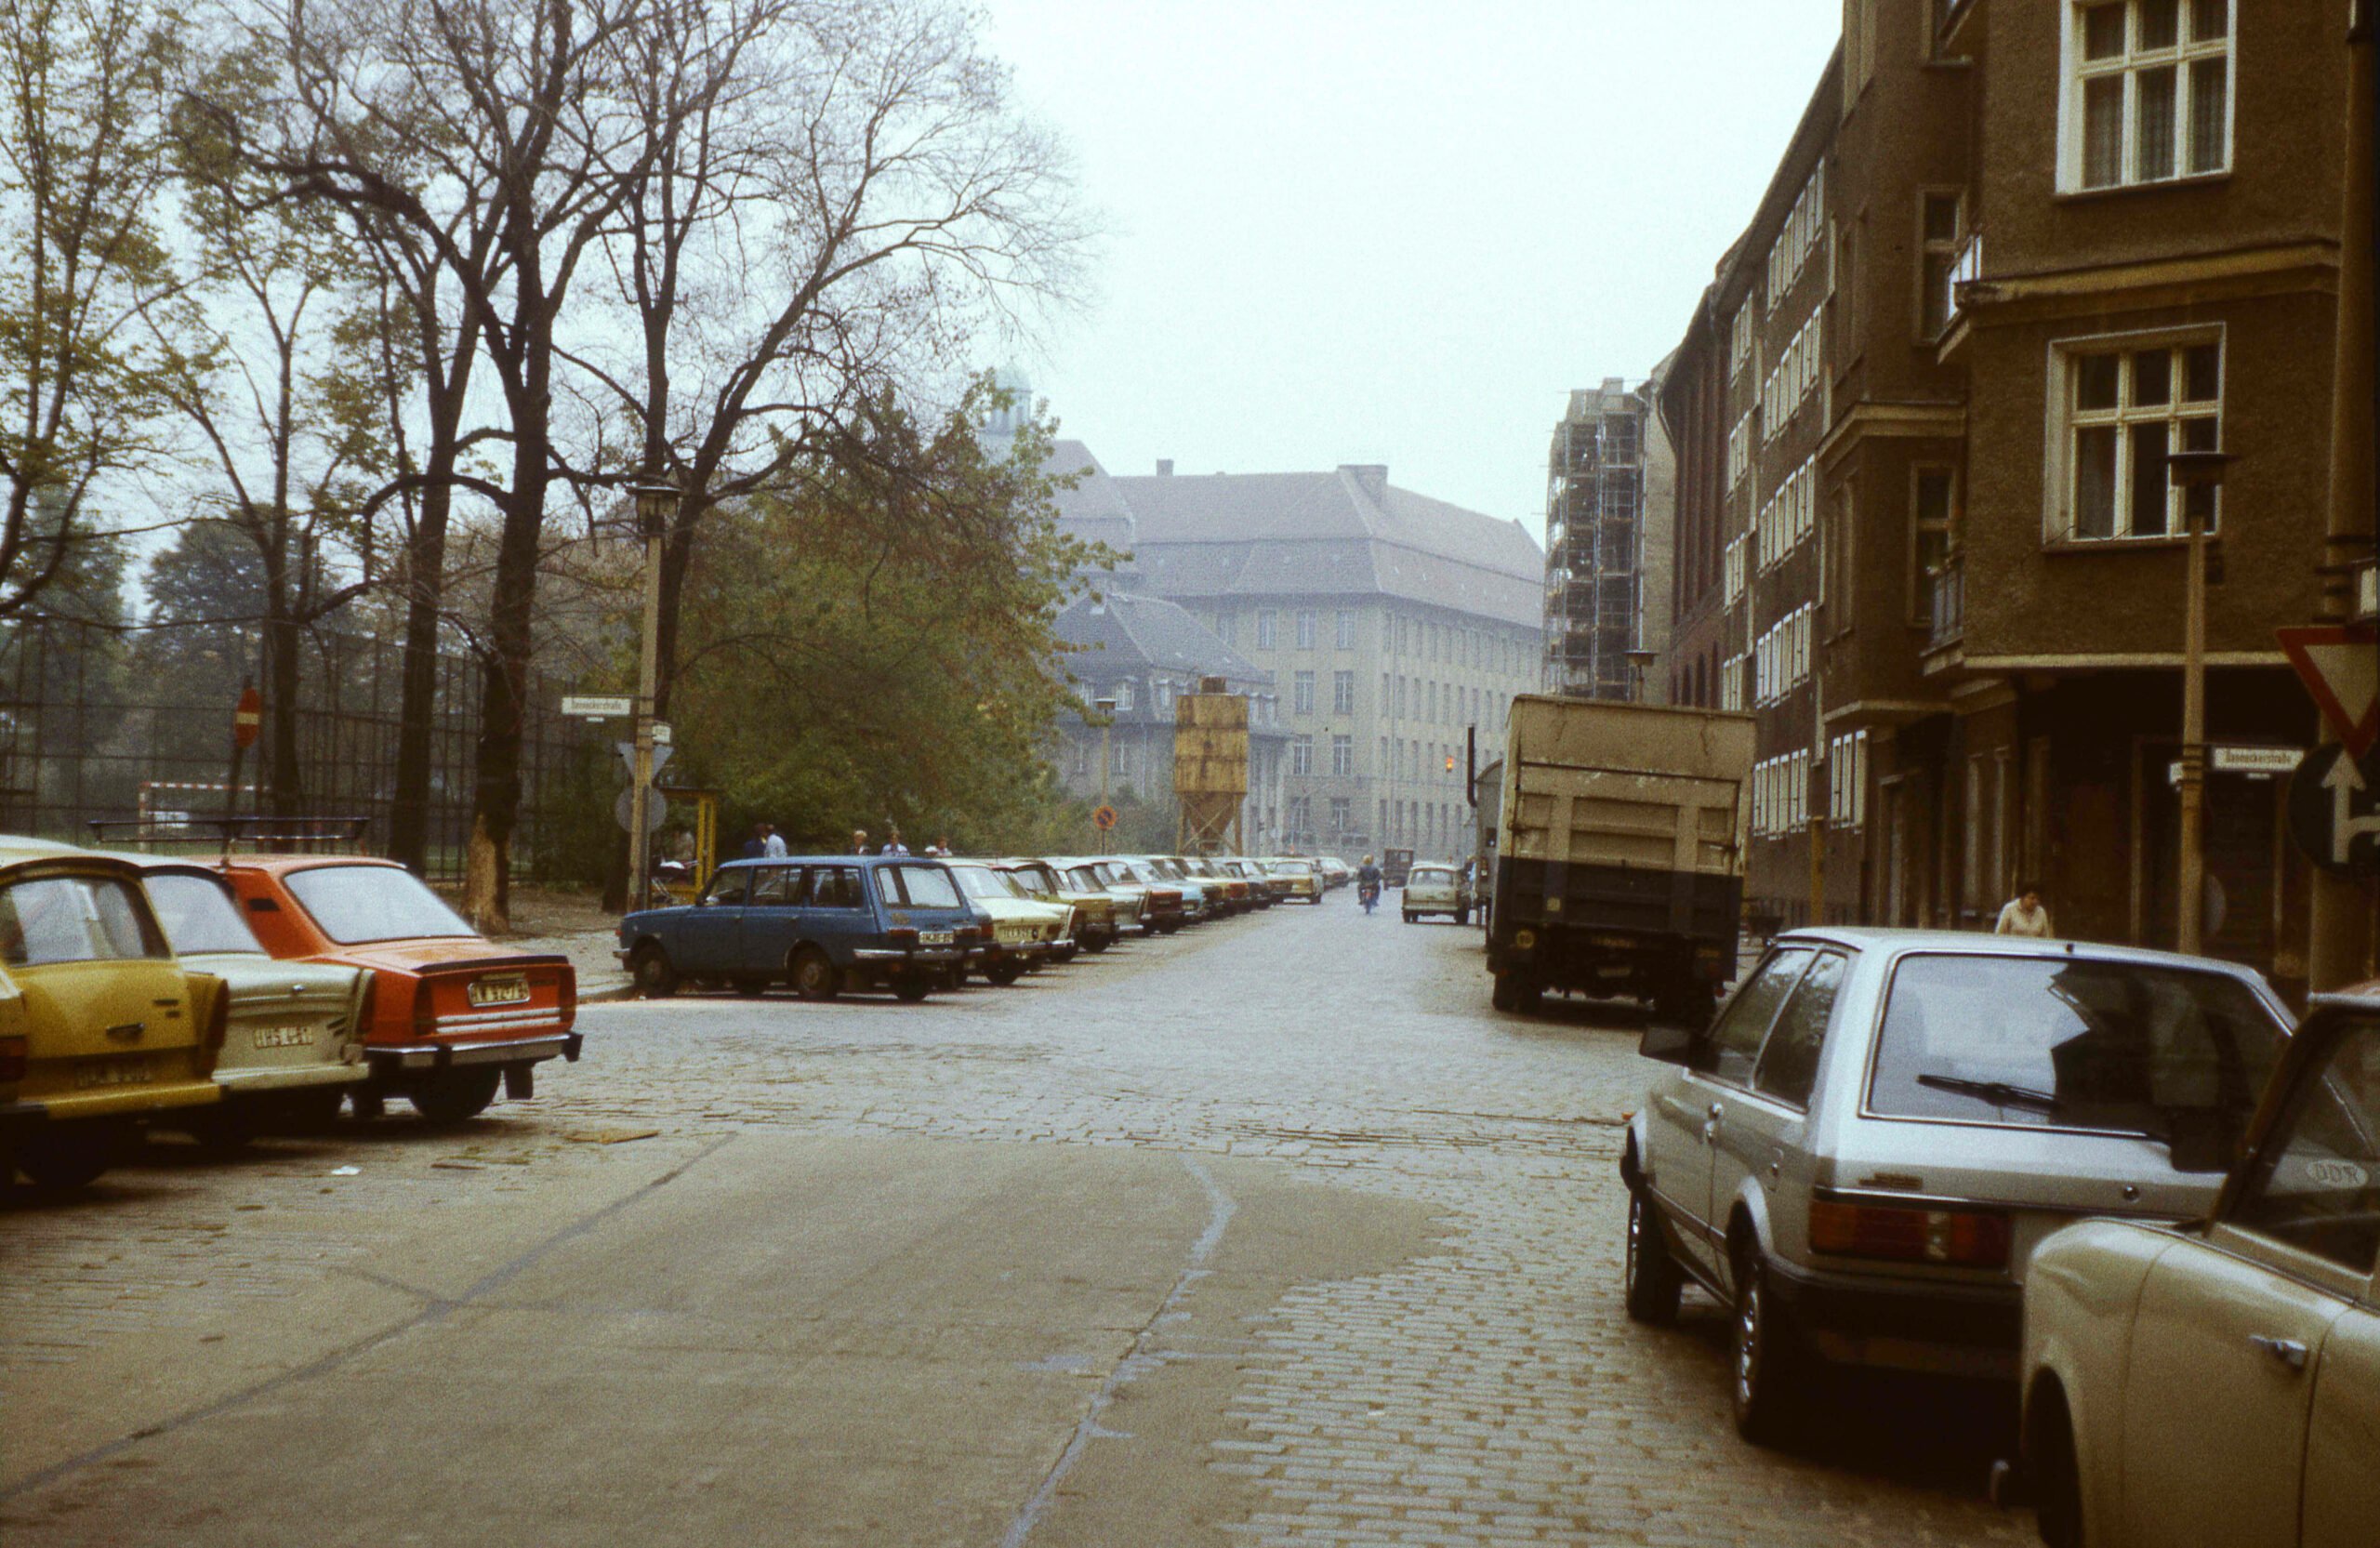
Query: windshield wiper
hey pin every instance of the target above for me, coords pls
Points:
(2001, 1092)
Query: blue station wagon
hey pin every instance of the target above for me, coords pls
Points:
(824, 923)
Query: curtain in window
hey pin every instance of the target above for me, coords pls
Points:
(2103, 132)
(2153, 98)
(2210, 96)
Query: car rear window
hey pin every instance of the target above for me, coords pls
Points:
(2061, 1042)
(76, 918)
(199, 915)
(919, 886)
(355, 903)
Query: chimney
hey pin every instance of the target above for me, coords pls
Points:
(1165, 467)
(1371, 477)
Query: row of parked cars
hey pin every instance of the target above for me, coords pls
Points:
(910, 925)
(2125, 1180)
(223, 998)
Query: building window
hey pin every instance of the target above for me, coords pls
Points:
(1400, 697)
(1941, 226)
(1835, 576)
(1306, 628)
(1791, 251)
(2126, 410)
(2149, 91)
(1847, 780)
(1346, 629)
(1301, 817)
(1342, 757)
(1227, 628)
(1343, 692)
(1342, 814)
(1933, 519)
(1739, 341)
(1267, 626)
(1302, 755)
(1123, 695)
(1739, 450)
(1302, 691)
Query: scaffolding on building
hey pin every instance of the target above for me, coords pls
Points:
(1595, 543)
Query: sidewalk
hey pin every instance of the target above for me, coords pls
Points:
(599, 973)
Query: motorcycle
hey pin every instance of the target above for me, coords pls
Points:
(1368, 894)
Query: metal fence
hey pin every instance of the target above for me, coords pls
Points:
(92, 727)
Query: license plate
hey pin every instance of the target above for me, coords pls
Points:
(112, 1072)
(937, 938)
(282, 1036)
(499, 991)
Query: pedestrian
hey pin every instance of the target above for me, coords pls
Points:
(756, 846)
(893, 844)
(772, 842)
(859, 842)
(2025, 914)
(940, 848)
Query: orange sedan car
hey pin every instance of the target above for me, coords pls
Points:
(453, 1016)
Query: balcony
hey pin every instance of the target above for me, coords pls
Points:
(1945, 595)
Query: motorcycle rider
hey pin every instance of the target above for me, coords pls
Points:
(1367, 884)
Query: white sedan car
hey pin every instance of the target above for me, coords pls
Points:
(2218, 1382)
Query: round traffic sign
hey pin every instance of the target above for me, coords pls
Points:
(1103, 819)
(247, 718)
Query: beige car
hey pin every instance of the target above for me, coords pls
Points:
(2218, 1382)
(1434, 889)
(1305, 883)
(1025, 933)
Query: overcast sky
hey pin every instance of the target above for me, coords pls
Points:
(1394, 230)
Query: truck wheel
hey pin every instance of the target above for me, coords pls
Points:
(648, 966)
(816, 975)
(457, 1096)
(1652, 1279)
(1506, 994)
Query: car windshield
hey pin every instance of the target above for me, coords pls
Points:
(199, 915)
(76, 918)
(919, 886)
(1430, 873)
(1031, 879)
(355, 903)
(978, 881)
(2059, 1042)
(1086, 879)
(1293, 868)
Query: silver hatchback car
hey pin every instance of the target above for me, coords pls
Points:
(1864, 1149)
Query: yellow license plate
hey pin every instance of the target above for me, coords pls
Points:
(500, 991)
(112, 1072)
(282, 1036)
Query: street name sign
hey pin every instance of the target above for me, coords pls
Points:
(599, 706)
(2333, 816)
(2340, 666)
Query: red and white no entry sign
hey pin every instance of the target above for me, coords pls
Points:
(247, 718)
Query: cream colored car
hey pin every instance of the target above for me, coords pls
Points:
(1434, 889)
(1025, 933)
(2218, 1382)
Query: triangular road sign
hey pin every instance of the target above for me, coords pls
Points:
(2340, 665)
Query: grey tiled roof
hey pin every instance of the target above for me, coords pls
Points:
(1121, 634)
(1302, 533)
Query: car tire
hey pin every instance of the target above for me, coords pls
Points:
(911, 989)
(1767, 1371)
(1409, 919)
(1097, 944)
(814, 974)
(67, 1155)
(223, 1129)
(1650, 1275)
(1004, 974)
(2056, 1474)
(1462, 916)
(649, 967)
(313, 1112)
(457, 1096)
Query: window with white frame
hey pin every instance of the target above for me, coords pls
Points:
(1734, 569)
(1342, 814)
(1302, 755)
(1803, 226)
(1789, 515)
(1932, 527)
(1268, 625)
(1846, 779)
(1739, 341)
(1343, 692)
(1307, 629)
(1731, 684)
(1781, 656)
(1941, 220)
(2148, 92)
(1796, 374)
(2127, 409)
(1123, 694)
(1343, 755)
(1739, 450)
(1302, 691)
(1346, 634)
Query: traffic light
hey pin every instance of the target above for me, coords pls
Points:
(1449, 762)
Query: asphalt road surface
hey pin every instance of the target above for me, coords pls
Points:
(1271, 1232)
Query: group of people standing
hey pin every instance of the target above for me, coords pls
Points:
(767, 843)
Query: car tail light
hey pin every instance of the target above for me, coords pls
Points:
(904, 938)
(966, 935)
(14, 1059)
(219, 1017)
(1967, 1238)
(367, 1002)
(566, 990)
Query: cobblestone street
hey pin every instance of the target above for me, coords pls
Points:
(1369, 1293)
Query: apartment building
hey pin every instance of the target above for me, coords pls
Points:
(1610, 499)
(2028, 248)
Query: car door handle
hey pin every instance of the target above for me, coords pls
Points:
(2289, 1352)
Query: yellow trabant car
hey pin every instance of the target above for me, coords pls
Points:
(1025, 933)
(100, 1026)
(1303, 876)
(1094, 929)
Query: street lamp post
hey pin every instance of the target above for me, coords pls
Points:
(1106, 708)
(655, 501)
(1640, 659)
(2193, 471)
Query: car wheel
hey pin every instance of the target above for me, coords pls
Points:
(1767, 1359)
(816, 975)
(308, 1112)
(1097, 944)
(457, 1096)
(68, 1156)
(1462, 916)
(1652, 1279)
(911, 989)
(2057, 1478)
(1005, 972)
(1409, 919)
(655, 979)
(223, 1129)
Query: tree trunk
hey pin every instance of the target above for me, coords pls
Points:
(425, 591)
(282, 692)
(504, 697)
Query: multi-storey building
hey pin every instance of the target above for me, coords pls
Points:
(1391, 624)
(1609, 502)
(2016, 253)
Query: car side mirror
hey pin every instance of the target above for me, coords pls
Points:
(2202, 1139)
(1671, 1045)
